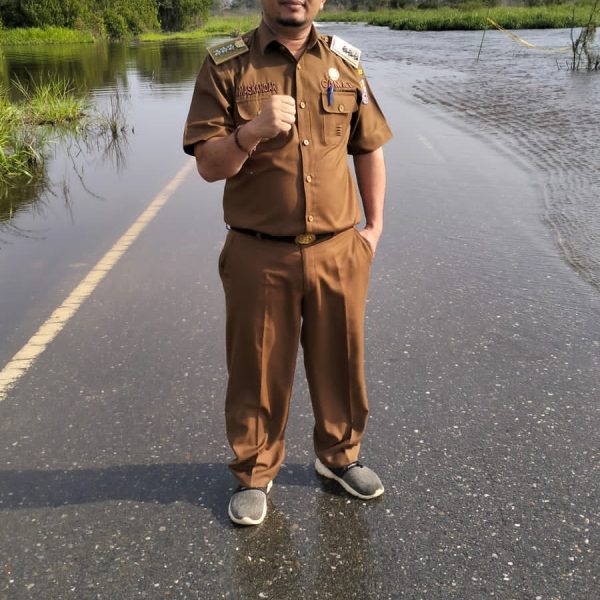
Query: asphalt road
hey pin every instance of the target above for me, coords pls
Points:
(483, 361)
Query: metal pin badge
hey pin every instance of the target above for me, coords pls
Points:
(333, 74)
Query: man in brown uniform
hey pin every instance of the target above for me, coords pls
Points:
(276, 113)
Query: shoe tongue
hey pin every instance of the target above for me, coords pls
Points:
(351, 466)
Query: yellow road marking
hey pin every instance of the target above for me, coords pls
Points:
(25, 357)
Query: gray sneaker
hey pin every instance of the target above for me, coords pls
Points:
(248, 505)
(355, 478)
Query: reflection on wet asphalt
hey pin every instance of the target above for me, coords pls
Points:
(482, 358)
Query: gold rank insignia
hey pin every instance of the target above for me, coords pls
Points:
(347, 51)
(222, 52)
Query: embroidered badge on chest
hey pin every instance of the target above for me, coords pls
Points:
(254, 88)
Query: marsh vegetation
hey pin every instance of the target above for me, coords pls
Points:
(51, 21)
(469, 16)
(25, 122)
(34, 115)
(115, 19)
(586, 53)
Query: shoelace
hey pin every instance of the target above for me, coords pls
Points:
(345, 469)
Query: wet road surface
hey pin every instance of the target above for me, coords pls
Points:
(483, 362)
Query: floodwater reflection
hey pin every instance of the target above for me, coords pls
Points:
(111, 73)
(104, 139)
(101, 66)
(326, 556)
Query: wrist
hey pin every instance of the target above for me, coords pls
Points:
(246, 139)
(374, 228)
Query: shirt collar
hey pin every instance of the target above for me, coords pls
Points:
(266, 37)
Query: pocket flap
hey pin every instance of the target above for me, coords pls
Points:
(343, 102)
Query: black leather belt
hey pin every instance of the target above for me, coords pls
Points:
(303, 239)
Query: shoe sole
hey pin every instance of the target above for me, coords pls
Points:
(248, 520)
(325, 472)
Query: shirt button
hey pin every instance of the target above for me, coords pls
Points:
(341, 107)
(308, 178)
(302, 104)
(299, 67)
(305, 142)
(310, 218)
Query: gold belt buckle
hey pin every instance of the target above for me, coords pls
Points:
(305, 238)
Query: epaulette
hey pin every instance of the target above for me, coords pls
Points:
(226, 50)
(347, 51)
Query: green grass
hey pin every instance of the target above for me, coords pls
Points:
(443, 19)
(216, 26)
(45, 35)
(436, 19)
(37, 112)
(18, 153)
(50, 103)
(24, 124)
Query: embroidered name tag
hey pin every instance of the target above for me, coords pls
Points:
(252, 89)
(338, 85)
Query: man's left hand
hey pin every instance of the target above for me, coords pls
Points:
(372, 236)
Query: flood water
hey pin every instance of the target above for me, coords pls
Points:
(528, 101)
(150, 81)
(524, 98)
(481, 352)
(53, 231)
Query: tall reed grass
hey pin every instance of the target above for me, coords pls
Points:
(24, 124)
(36, 112)
(444, 19)
(52, 102)
(18, 147)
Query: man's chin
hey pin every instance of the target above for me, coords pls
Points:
(291, 22)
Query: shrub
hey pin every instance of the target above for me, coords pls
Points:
(177, 15)
(11, 14)
(116, 18)
(60, 13)
(115, 24)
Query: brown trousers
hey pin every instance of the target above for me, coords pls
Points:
(278, 294)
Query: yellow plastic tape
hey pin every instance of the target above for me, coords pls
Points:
(525, 43)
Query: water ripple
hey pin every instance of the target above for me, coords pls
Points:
(529, 100)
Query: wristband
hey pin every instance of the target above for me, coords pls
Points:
(236, 138)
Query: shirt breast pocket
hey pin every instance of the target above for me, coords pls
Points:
(336, 118)
(247, 109)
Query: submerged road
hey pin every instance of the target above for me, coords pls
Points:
(483, 361)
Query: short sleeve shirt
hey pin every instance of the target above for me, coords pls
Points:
(298, 181)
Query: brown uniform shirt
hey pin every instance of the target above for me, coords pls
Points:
(298, 181)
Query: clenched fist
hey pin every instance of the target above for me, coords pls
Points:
(277, 115)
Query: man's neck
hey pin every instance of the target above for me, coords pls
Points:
(293, 38)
